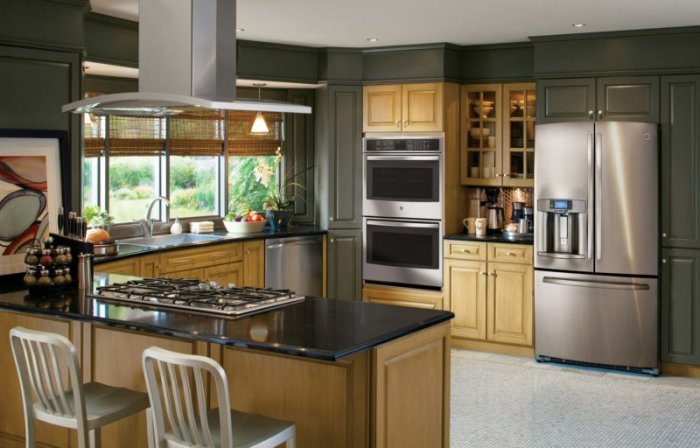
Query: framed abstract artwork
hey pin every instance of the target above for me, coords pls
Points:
(34, 166)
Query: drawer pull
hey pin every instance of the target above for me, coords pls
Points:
(492, 274)
(467, 251)
(511, 254)
(483, 273)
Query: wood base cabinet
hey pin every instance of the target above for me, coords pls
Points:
(680, 306)
(489, 288)
(394, 295)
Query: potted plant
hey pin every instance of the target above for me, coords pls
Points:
(280, 206)
(97, 218)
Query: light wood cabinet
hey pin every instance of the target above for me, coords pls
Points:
(498, 134)
(491, 293)
(254, 263)
(142, 266)
(509, 303)
(241, 264)
(394, 295)
(403, 108)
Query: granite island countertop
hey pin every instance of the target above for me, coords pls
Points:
(325, 329)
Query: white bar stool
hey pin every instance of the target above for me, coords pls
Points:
(40, 357)
(169, 378)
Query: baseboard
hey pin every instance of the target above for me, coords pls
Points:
(671, 368)
(493, 347)
(13, 441)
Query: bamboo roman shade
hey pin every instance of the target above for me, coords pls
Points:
(242, 143)
(200, 133)
(196, 134)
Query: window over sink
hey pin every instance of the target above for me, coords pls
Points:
(205, 163)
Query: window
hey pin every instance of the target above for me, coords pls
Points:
(198, 160)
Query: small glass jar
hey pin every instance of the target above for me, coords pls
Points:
(44, 280)
(46, 259)
(67, 276)
(58, 278)
(69, 257)
(30, 277)
(32, 256)
(48, 243)
(60, 258)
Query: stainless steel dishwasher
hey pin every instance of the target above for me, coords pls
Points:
(295, 263)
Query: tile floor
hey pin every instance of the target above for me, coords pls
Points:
(508, 401)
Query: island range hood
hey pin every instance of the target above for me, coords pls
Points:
(187, 62)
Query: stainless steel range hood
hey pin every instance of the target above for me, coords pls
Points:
(187, 61)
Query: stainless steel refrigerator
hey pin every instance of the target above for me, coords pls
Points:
(596, 244)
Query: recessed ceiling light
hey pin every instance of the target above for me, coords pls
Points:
(372, 39)
(578, 25)
(240, 30)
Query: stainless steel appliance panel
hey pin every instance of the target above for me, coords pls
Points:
(598, 319)
(295, 263)
(626, 217)
(402, 251)
(564, 169)
(402, 185)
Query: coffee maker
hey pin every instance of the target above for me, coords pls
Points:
(494, 213)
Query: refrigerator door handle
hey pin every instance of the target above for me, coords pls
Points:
(591, 192)
(598, 196)
(592, 284)
(564, 256)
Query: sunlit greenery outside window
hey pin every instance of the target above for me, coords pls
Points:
(130, 160)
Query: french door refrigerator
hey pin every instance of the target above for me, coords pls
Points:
(596, 244)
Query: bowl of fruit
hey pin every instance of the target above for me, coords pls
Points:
(244, 223)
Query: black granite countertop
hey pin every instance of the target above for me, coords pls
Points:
(326, 329)
(127, 250)
(492, 238)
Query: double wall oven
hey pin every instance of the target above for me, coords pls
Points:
(403, 208)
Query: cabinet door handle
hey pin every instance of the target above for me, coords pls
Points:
(506, 175)
(398, 123)
(492, 274)
(600, 114)
(331, 219)
(405, 123)
(663, 260)
(332, 240)
(590, 114)
(247, 252)
(483, 273)
(664, 235)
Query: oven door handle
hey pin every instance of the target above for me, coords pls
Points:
(403, 224)
(408, 158)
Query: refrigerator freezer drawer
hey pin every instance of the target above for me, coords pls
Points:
(598, 319)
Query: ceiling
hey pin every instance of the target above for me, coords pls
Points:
(342, 23)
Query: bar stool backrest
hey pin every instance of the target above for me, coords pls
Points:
(39, 358)
(174, 382)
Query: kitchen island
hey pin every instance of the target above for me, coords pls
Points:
(349, 374)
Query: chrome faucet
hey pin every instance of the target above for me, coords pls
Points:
(148, 222)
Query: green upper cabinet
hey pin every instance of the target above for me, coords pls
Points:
(680, 161)
(565, 100)
(609, 99)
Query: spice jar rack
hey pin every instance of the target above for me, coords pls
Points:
(48, 268)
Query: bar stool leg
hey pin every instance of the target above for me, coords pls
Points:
(95, 438)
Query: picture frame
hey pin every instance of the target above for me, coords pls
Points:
(34, 184)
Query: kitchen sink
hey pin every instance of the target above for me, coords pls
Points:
(171, 240)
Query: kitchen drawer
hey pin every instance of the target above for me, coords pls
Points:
(465, 250)
(200, 257)
(510, 253)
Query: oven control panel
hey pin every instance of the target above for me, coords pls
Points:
(403, 144)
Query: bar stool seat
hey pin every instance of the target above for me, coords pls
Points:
(179, 416)
(40, 358)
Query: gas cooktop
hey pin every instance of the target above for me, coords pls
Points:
(193, 295)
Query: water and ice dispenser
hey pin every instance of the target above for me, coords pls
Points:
(564, 227)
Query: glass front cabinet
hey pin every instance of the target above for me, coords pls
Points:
(498, 134)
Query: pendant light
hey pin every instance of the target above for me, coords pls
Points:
(259, 124)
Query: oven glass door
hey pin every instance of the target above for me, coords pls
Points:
(403, 252)
(406, 186)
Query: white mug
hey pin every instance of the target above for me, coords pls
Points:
(480, 226)
(470, 224)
